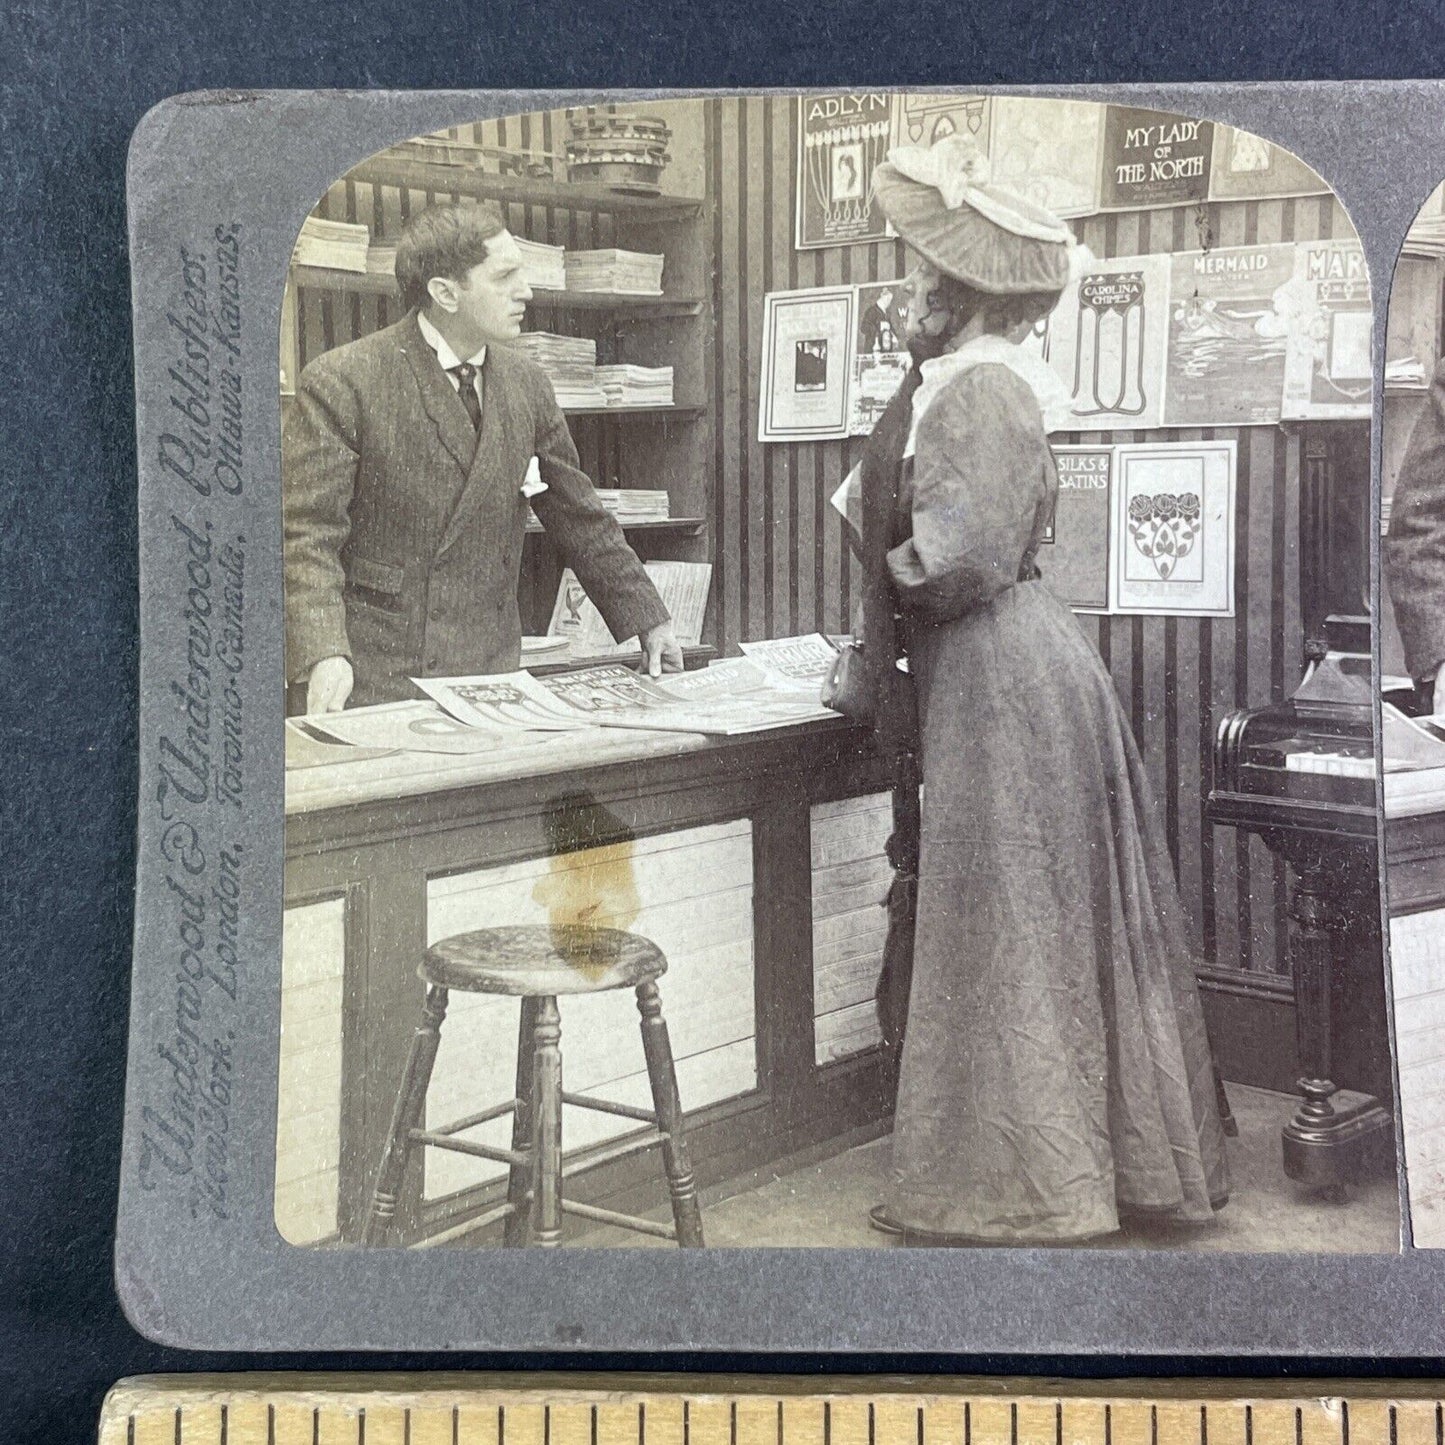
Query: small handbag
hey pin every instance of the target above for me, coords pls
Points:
(848, 689)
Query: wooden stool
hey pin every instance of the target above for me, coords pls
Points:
(537, 964)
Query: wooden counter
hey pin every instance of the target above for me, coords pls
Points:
(1415, 862)
(758, 868)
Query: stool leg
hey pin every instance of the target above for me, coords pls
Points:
(547, 1126)
(663, 1077)
(410, 1105)
(518, 1227)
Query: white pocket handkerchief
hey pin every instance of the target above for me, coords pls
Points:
(532, 483)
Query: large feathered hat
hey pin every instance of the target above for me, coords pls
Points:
(940, 200)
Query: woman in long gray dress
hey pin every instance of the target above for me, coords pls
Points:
(1056, 1075)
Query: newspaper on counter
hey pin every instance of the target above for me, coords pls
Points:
(418, 727)
(510, 700)
(795, 662)
(726, 699)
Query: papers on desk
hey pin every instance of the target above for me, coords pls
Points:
(726, 699)
(416, 727)
(513, 701)
(544, 266)
(536, 647)
(307, 747)
(1413, 750)
(798, 662)
(615, 272)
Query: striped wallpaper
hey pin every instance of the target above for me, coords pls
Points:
(781, 565)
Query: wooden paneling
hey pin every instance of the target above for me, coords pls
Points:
(691, 893)
(850, 885)
(1417, 963)
(308, 1114)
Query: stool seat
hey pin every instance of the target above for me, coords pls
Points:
(540, 961)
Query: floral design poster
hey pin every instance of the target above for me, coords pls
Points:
(922, 119)
(1173, 530)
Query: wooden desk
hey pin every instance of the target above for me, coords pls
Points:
(384, 854)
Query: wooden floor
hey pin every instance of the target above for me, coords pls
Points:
(826, 1203)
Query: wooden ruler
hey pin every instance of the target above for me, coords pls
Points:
(454, 1409)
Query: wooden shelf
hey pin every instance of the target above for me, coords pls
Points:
(484, 185)
(357, 283)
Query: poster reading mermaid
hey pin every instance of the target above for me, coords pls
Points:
(1230, 319)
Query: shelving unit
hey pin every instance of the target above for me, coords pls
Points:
(645, 446)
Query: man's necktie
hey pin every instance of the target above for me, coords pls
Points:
(466, 375)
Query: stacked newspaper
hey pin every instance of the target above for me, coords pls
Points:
(636, 385)
(571, 366)
(635, 504)
(618, 273)
(543, 265)
(337, 245)
(1426, 236)
(381, 259)
(1406, 373)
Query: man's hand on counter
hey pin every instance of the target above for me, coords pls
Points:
(329, 685)
(661, 651)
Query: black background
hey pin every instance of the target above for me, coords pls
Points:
(79, 78)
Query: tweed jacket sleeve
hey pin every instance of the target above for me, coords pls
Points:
(1414, 553)
(978, 471)
(586, 534)
(319, 448)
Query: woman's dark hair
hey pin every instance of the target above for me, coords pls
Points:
(443, 240)
(1001, 314)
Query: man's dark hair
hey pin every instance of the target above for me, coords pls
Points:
(443, 240)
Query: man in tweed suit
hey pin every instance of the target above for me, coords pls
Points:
(403, 474)
(1415, 549)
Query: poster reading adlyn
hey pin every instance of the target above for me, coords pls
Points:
(1173, 542)
(841, 140)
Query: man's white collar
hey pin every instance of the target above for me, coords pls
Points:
(439, 344)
